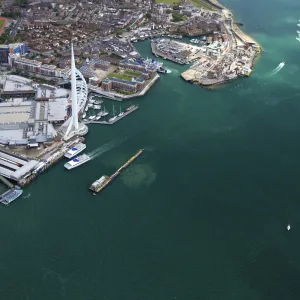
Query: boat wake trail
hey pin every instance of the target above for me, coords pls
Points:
(25, 197)
(279, 67)
(106, 147)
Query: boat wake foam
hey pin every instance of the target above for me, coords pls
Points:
(25, 197)
(106, 147)
(279, 67)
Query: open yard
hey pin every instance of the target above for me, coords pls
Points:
(119, 76)
(167, 1)
(3, 22)
(197, 3)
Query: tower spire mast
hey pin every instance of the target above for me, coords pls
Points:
(74, 92)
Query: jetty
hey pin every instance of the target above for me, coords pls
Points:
(102, 182)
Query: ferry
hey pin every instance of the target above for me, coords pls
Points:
(11, 195)
(77, 161)
(75, 150)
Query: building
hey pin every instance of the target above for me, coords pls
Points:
(123, 86)
(28, 65)
(28, 113)
(6, 50)
(4, 54)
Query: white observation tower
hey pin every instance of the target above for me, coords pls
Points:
(79, 98)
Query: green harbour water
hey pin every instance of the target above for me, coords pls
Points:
(202, 214)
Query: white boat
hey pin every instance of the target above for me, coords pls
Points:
(288, 227)
(90, 105)
(298, 32)
(98, 102)
(121, 113)
(112, 119)
(86, 109)
(92, 101)
(298, 39)
(75, 150)
(98, 118)
(77, 161)
(84, 115)
(92, 117)
(97, 106)
(114, 115)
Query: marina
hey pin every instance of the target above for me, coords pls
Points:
(104, 180)
(115, 119)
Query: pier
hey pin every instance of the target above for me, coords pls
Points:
(98, 186)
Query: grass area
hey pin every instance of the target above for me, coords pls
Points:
(132, 73)
(119, 76)
(167, 1)
(203, 3)
(1, 23)
(178, 17)
(197, 3)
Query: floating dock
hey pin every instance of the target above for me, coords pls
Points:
(126, 113)
(101, 183)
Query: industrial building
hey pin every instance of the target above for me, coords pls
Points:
(15, 167)
(26, 121)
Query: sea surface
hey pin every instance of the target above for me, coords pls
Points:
(202, 214)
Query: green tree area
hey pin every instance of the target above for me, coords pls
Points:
(1, 23)
(178, 17)
(22, 3)
(197, 3)
(11, 15)
(5, 38)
